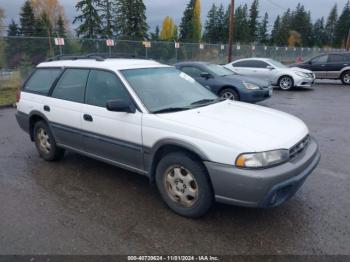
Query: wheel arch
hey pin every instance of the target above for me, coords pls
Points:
(229, 87)
(34, 117)
(284, 75)
(167, 146)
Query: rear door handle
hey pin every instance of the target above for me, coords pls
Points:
(88, 118)
(47, 108)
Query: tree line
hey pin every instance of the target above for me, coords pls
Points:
(126, 19)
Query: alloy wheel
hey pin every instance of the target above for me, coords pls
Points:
(286, 83)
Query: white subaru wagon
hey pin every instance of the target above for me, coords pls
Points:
(157, 121)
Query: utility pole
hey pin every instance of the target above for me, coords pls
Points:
(231, 27)
(348, 41)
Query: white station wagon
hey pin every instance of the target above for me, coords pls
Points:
(157, 121)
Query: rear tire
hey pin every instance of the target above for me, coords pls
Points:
(184, 185)
(286, 83)
(45, 142)
(345, 78)
(229, 94)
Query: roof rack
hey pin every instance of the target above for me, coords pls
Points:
(96, 56)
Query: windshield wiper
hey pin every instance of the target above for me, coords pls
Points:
(206, 101)
(170, 109)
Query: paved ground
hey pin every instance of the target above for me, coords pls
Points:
(81, 206)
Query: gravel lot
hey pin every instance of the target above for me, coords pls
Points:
(81, 206)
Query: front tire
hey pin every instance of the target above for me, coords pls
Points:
(286, 83)
(45, 142)
(345, 78)
(184, 185)
(229, 94)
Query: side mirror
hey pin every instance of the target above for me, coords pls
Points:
(120, 105)
(310, 62)
(270, 67)
(206, 75)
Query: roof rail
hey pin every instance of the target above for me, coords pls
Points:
(96, 56)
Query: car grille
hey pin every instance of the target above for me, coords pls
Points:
(299, 147)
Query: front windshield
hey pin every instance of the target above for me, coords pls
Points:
(277, 64)
(219, 70)
(167, 88)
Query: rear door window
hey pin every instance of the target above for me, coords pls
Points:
(320, 60)
(41, 80)
(71, 86)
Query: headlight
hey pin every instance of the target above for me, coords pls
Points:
(263, 159)
(250, 86)
(301, 74)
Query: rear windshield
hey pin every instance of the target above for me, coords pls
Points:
(42, 80)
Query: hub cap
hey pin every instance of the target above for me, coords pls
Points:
(181, 186)
(347, 78)
(285, 83)
(228, 96)
(44, 141)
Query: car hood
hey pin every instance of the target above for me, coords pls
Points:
(231, 123)
(298, 69)
(249, 79)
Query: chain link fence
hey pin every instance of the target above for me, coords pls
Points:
(21, 54)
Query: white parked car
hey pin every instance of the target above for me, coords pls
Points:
(157, 121)
(273, 71)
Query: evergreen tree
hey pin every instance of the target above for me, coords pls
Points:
(253, 20)
(155, 34)
(274, 40)
(60, 28)
(263, 35)
(210, 28)
(131, 19)
(318, 33)
(89, 19)
(2, 42)
(27, 19)
(285, 28)
(186, 25)
(241, 24)
(300, 22)
(108, 11)
(342, 27)
(13, 29)
(222, 26)
(331, 25)
(2, 17)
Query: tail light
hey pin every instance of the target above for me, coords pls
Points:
(18, 96)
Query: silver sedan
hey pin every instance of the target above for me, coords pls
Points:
(273, 71)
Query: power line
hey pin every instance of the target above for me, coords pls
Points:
(277, 5)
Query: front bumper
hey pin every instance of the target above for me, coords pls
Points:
(304, 82)
(264, 187)
(255, 96)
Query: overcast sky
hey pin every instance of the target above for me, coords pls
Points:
(158, 9)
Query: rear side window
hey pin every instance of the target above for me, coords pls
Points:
(104, 86)
(241, 64)
(251, 64)
(42, 80)
(337, 58)
(71, 86)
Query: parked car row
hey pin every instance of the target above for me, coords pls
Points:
(158, 121)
